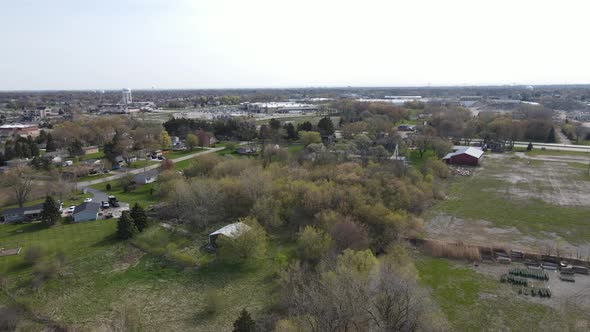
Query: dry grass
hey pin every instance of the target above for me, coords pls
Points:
(457, 250)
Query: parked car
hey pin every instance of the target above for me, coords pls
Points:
(71, 209)
(105, 205)
(113, 201)
(89, 199)
(108, 215)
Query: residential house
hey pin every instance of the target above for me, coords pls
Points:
(86, 211)
(27, 213)
(146, 177)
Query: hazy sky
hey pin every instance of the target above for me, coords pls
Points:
(102, 44)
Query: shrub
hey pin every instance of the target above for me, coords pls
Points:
(454, 250)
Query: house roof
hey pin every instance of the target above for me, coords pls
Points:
(87, 206)
(144, 175)
(474, 152)
(232, 230)
(25, 210)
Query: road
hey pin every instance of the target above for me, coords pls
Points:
(548, 146)
(84, 184)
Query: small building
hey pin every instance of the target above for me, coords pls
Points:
(86, 211)
(18, 129)
(232, 231)
(247, 151)
(468, 155)
(90, 149)
(146, 177)
(27, 213)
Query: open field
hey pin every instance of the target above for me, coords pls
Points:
(517, 201)
(181, 153)
(100, 277)
(473, 300)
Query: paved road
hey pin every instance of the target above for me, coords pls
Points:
(549, 146)
(84, 184)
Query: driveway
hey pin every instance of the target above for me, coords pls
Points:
(97, 195)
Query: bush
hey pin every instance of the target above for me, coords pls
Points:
(455, 250)
(247, 247)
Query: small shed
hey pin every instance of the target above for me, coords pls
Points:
(86, 211)
(469, 156)
(232, 231)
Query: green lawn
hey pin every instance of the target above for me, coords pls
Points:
(539, 152)
(72, 199)
(96, 155)
(93, 177)
(142, 163)
(180, 153)
(102, 276)
(475, 302)
(140, 195)
(417, 161)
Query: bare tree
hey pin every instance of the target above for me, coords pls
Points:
(20, 180)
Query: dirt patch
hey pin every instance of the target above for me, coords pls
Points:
(549, 178)
(562, 293)
(128, 256)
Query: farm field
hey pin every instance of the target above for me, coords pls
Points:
(529, 202)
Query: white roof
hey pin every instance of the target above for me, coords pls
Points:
(232, 230)
(474, 152)
(17, 125)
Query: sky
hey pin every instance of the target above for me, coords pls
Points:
(168, 44)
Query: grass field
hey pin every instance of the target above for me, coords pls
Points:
(102, 276)
(181, 153)
(94, 177)
(475, 302)
(142, 194)
(96, 155)
(142, 163)
(510, 200)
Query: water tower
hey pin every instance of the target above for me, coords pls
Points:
(127, 96)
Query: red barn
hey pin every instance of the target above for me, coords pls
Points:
(464, 156)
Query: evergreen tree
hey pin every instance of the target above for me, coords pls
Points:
(50, 145)
(244, 323)
(326, 126)
(274, 124)
(305, 126)
(125, 226)
(76, 148)
(291, 132)
(551, 137)
(139, 217)
(50, 213)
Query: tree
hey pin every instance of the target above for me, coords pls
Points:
(312, 244)
(551, 136)
(76, 148)
(274, 124)
(109, 187)
(164, 140)
(125, 226)
(192, 141)
(244, 323)
(291, 132)
(50, 145)
(326, 126)
(305, 126)
(50, 214)
(167, 165)
(20, 180)
(139, 217)
(310, 137)
(530, 146)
